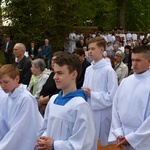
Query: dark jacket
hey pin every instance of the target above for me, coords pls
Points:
(24, 66)
(80, 80)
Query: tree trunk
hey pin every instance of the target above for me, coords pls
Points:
(121, 19)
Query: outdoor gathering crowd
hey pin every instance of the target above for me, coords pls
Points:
(95, 88)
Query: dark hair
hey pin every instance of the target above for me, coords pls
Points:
(142, 49)
(79, 51)
(100, 41)
(128, 47)
(70, 60)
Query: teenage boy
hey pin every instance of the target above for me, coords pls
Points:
(68, 122)
(19, 116)
(131, 106)
(100, 83)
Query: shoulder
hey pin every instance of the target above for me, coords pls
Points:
(77, 102)
(52, 99)
(123, 64)
(127, 80)
(25, 60)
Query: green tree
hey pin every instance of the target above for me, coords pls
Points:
(37, 19)
(138, 15)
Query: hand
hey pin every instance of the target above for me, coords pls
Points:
(42, 107)
(122, 141)
(40, 100)
(44, 143)
(87, 90)
(6, 51)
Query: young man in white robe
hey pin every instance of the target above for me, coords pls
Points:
(100, 83)
(131, 107)
(68, 122)
(20, 119)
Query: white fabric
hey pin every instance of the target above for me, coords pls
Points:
(71, 126)
(2, 94)
(148, 35)
(131, 111)
(134, 37)
(142, 37)
(72, 42)
(121, 48)
(128, 36)
(20, 121)
(102, 81)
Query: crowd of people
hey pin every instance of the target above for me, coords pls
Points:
(96, 88)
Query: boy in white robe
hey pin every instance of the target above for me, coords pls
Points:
(100, 83)
(20, 119)
(131, 107)
(68, 122)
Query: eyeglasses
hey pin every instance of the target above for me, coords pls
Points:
(117, 55)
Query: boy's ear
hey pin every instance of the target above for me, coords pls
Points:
(18, 78)
(75, 74)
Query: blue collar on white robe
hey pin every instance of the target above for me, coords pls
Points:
(62, 100)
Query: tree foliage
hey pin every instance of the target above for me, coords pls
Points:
(36, 19)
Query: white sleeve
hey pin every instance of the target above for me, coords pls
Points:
(103, 99)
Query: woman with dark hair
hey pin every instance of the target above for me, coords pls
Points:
(127, 58)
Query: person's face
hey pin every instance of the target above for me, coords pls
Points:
(63, 78)
(80, 57)
(17, 51)
(52, 61)
(95, 52)
(32, 44)
(126, 50)
(118, 58)
(140, 63)
(108, 44)
(7, 39)
(46, 41)
(8, 84)
(82, 41)
(115, 47)
(34, 70)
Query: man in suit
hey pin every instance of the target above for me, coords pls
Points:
(7, 48)
(23, 63)
(46, 53)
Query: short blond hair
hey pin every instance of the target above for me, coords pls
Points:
(100, 41)
(10, 70)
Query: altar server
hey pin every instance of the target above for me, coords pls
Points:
(131, 107)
